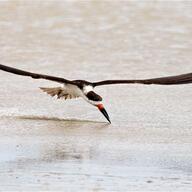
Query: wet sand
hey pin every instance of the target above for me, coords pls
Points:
(56, 145)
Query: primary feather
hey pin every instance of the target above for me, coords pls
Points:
(170, 80)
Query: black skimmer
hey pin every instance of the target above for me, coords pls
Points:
(84, 89)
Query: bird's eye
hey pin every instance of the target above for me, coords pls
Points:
(93, 96)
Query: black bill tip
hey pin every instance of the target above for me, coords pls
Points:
(104, 112)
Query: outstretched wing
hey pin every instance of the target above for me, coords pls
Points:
(170, 80)
(34, 75)
(60, 92)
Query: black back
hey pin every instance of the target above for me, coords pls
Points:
(81, 83)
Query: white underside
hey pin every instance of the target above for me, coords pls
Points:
(73, 90)
(69, 91)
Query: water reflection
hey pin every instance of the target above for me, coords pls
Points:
(62, 139)
(46, 118)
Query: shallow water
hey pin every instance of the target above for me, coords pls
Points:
(49, 144)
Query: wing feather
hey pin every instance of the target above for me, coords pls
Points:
(34, 75)
(60, 92)
(170, 80)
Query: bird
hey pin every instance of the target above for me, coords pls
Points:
(85, 89)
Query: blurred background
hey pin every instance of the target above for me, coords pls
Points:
(47, 144)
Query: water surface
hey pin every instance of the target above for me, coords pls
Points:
(49, 144)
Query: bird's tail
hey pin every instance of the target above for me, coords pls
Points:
(59, 92)
(53, 91)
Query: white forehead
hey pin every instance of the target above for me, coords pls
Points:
(87, 88)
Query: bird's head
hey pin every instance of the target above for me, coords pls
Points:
(95, 100)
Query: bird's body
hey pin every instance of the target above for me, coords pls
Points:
(68, 91)
(85, 89)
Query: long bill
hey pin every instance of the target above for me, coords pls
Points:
(104, 112)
